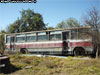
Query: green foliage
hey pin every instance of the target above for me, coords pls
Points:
(61, 25)
(2, 42)
(50, 28)
(71, 22)
(29, 21)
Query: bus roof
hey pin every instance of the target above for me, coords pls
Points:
(81, 27)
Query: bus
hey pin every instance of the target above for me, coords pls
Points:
(67, 41)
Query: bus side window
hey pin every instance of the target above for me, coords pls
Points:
(42, 36)
(52, 37)
(20, 38)
(58, 36)
(55, 35)
(7, 39)
(74, 34)
(31, 37)
(67, 35)
(12, 39)
(83, 35)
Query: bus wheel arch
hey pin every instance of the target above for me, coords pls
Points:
(79, 51)
(23, 50)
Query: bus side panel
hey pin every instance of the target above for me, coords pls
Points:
(87, 45)
(54, 47)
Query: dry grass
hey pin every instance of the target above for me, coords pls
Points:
(54, 66)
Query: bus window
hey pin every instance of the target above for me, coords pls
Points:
(65, 35)
(52, 37)
(8, 39)
(42, 36)
(58, 36)
(20, 38)
(55, 35)
(31, 37)
(12, 39)
(83, 35)
(74, 34)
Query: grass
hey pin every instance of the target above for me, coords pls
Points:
(54, 66)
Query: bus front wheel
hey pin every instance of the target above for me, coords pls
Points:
(24, 51)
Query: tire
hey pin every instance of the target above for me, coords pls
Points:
(79, 52)
(24, 51)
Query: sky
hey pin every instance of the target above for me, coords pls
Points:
(53, 11)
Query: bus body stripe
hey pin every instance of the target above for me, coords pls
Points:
(37, 45)
(52, 45)
(83, 44)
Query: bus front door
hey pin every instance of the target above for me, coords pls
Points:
(65, 36)
(12, 43)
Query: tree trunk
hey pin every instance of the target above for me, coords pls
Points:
(97, 52)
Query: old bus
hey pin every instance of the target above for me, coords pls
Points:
(58, 41)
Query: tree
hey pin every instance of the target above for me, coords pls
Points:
(15, 27)
(61, 25)
(71, 22)
(2, 42)
(29, 21)
(50, 28)
(92, 19)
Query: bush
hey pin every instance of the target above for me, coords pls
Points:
(2, 42)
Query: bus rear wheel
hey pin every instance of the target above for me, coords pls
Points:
(79, 51)
(24, 51)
